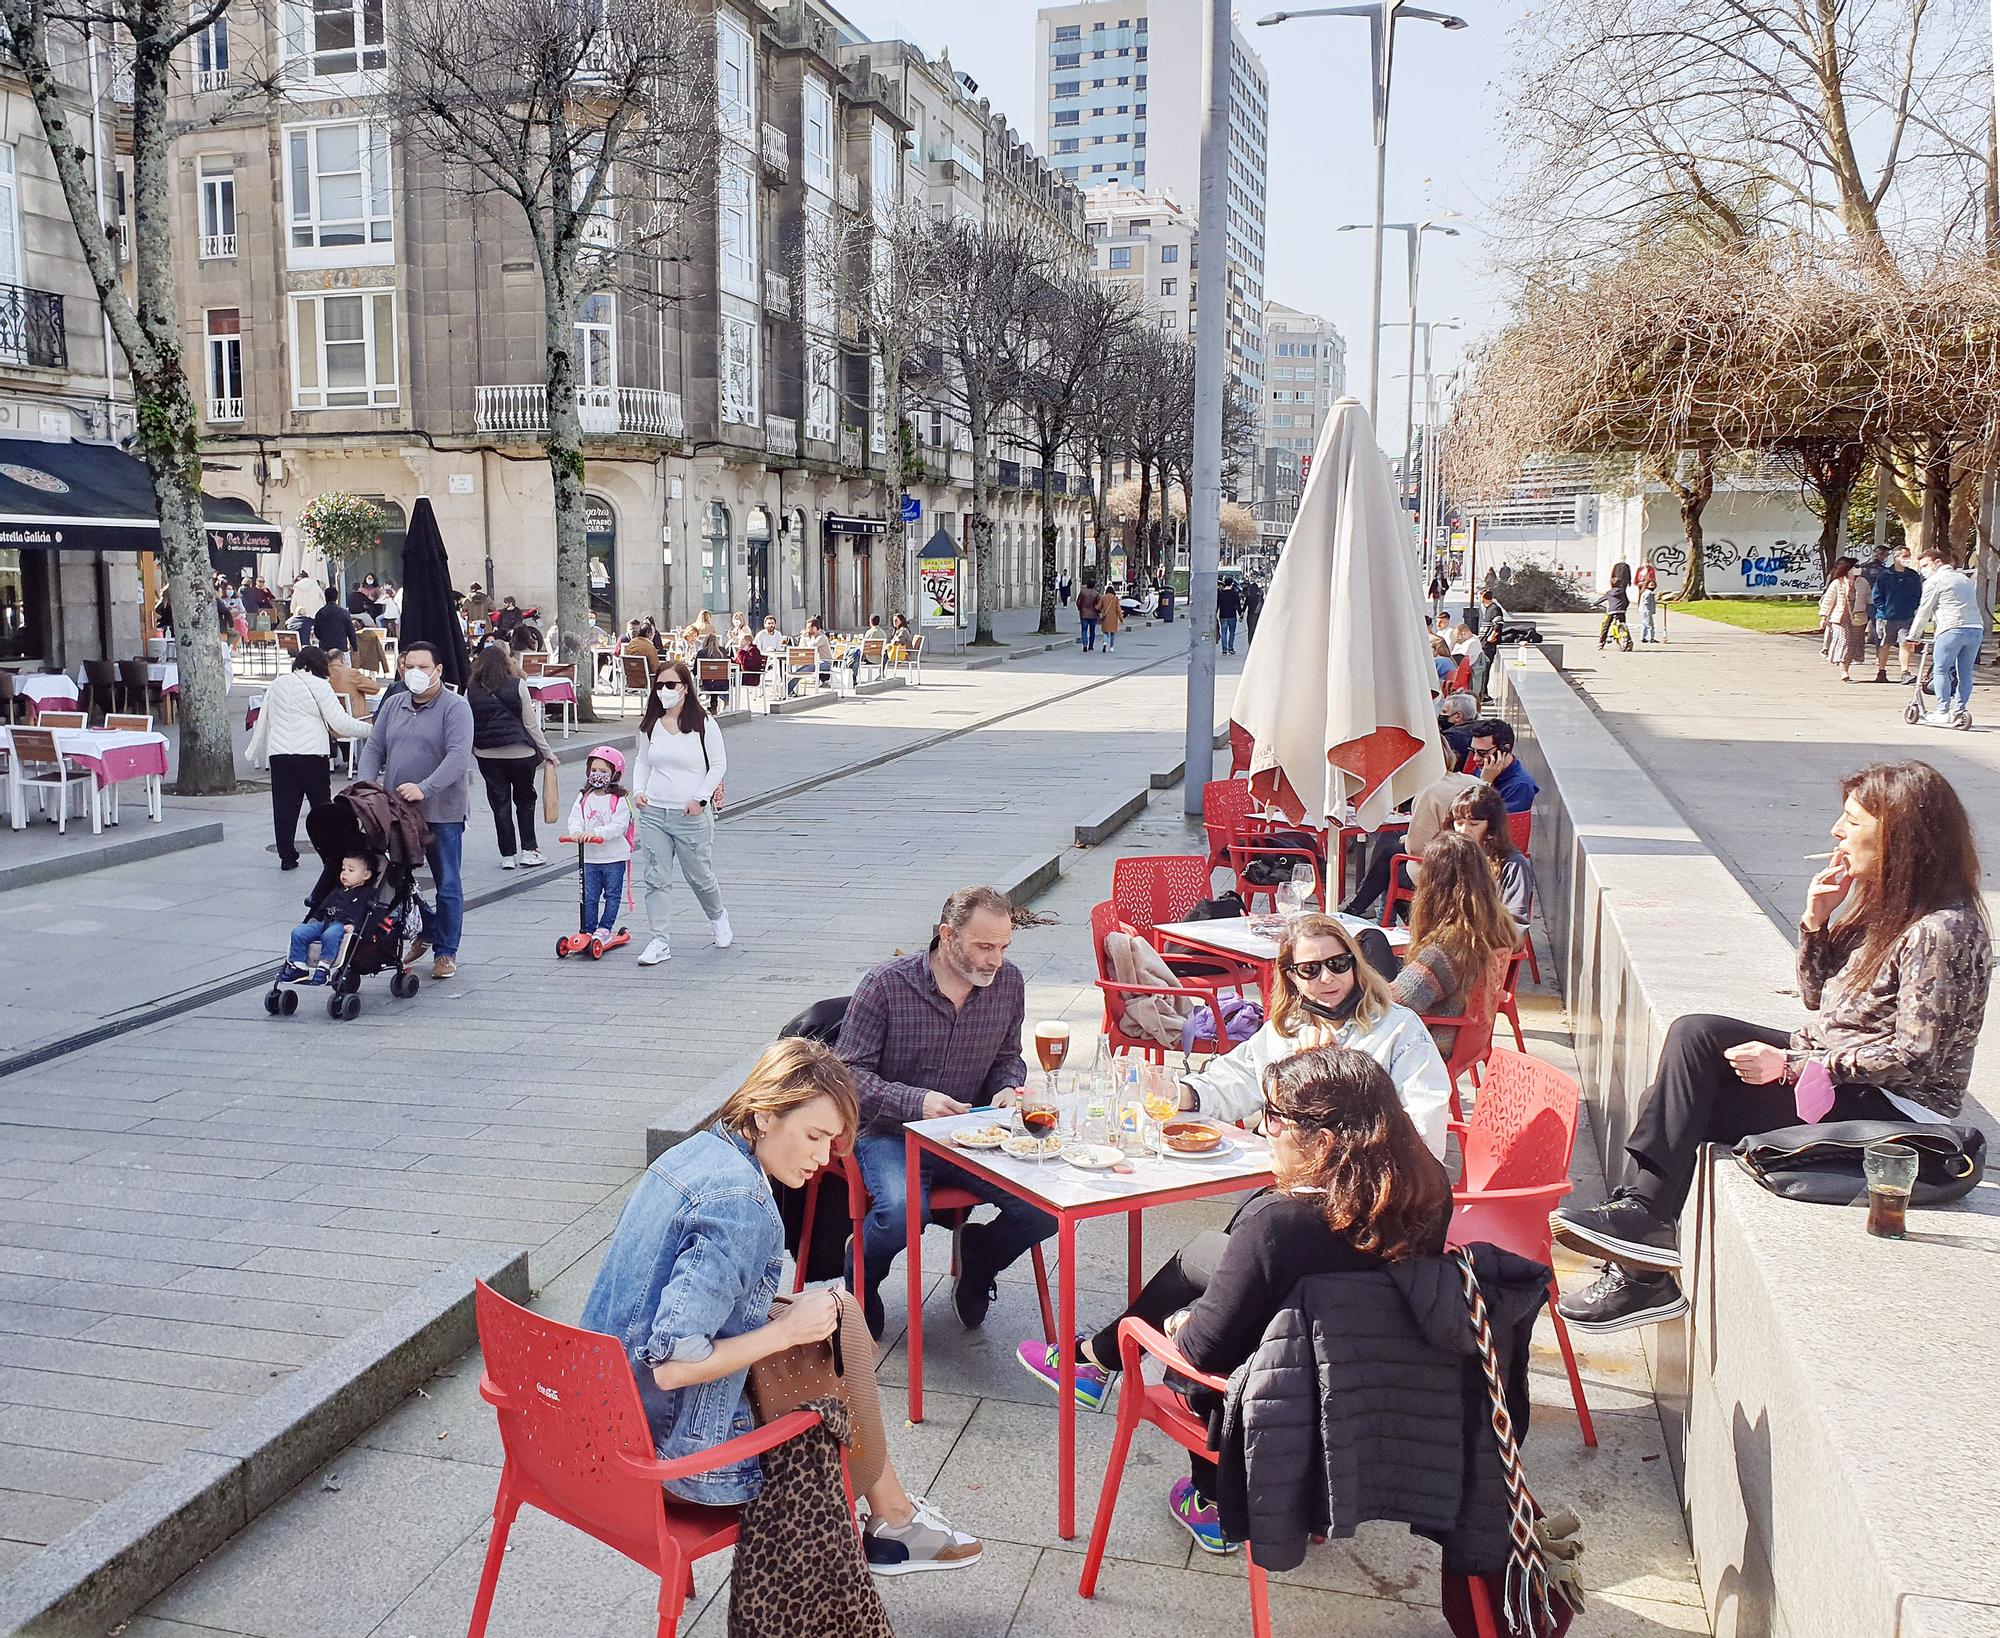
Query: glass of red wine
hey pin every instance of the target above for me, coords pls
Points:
(1039, 1119)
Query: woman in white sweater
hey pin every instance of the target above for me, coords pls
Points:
(679, 764)
(1327, 994)
(295, 728)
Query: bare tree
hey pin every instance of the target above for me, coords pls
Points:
(1077, 333)
(598, 122)
(46, 43)
(990, 282)
(1102, 419)
(879, 272)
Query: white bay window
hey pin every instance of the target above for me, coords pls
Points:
(822, 393)
(326, 39)
(337, 194)
(736, 224)
(819, 135)
(736, 384)
(735, 75)
(344, 350)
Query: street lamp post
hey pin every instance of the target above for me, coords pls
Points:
(1382, 19)
(1427, 326)
(1211, 363)
(1413, 240)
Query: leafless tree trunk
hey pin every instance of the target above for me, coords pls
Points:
(1692, 493)
(599, 125)
(146, 326)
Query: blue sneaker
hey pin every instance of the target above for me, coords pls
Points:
(1040, 1360)
(1197, 1515)
(292, 972)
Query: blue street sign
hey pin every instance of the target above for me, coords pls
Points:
(913, 509)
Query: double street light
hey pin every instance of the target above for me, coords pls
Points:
(1382, 19)
(1413, 241)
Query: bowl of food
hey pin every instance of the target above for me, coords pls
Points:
(1190, 1137)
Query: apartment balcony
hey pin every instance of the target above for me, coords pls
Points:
(225, 409)
(523, 411)
(954, 162)
(32, 331)
(850, 191)
(781, 437)
(218, 247)
(850, 447)
(777, 292)
(777, 154)
(211, 79)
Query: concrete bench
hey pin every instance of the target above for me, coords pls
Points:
(1829, 1403)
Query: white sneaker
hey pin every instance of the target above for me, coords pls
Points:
(655, 953)
(506, 861)
(724, 934)
(530, 856)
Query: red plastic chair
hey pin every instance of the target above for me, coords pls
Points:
(1461, 677)
(1104, 919)
(578, 1448)
(1227, 806)
(1517, 1149)
(1239, 855)
(1520, 826)
(1151, 888)
(1241, 747)
(1473, 1044)
(948, 1205)
(1161, 1406)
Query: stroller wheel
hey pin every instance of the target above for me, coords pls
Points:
(1912, 713)
(333, 1006)
(271, 1003)
(403, 986)
(288, 1002)
(350, 1007)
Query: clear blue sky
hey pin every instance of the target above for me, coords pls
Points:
(1447, 140)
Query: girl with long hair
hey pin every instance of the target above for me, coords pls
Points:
(1327, 991)
(1480, 815)
(1894, 961)
(1460, 935)
(687, 1286)
(675, 771)
(1355, 1188)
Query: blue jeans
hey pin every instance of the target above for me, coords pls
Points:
(1228, 624)
(1649, 603)
(984, 1249)
(1089, 637)
(603, 886)
(447, 848)
(1952, 667)
(326, 934)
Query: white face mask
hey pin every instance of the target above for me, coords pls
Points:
(668, 697)
(417, 680)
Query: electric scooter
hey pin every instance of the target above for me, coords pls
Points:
(584, 941)
(1915, 714)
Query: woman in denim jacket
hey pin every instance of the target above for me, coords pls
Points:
(689, 1277)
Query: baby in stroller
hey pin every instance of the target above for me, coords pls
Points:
(329, 921)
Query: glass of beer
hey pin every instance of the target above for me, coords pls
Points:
(1161, 1095)
(1051, 1047)
(1891, 1170)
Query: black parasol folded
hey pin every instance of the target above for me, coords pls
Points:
(430, 607)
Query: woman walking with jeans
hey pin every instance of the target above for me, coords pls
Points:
(1953, 601)
(675, 773)
(508, 744)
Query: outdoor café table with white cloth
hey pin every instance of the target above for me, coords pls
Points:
(1237, 938)
(113, 756)
(46, 691)
(548, 691)
(1071, 1196)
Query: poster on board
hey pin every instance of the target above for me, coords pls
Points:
(937, 580)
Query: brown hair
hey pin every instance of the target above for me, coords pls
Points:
(1488, 804)
(494, 668)
(689, 718)
(966, 902)
(788, 1075)
(1287, 1010)
(1457, 908)
(1386, 1193)
(1929, 859)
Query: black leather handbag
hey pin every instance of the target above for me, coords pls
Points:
(1822, 1163)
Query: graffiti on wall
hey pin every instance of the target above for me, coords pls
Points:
(1783, 568)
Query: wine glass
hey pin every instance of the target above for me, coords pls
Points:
(1040, 1116)
(1303, 883)
(1161, 1098)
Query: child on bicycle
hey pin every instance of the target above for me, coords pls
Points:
(1615, 602)
(602, 818)
(327, 923)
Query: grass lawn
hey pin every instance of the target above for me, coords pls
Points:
(1754, 613)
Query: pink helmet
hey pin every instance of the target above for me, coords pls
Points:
(605, 753)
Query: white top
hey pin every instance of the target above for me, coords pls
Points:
(668, 766)
(768, 643)
(1232, 1087)
(392, 608)
(297, 713)
(599, 813)
(1950, 596)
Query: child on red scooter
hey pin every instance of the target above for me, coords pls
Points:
(602, 819)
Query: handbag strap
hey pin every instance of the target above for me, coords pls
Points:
(1526, 1604)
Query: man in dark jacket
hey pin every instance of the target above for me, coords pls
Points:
(333, 626)
(1228, 609)
(1253, 606)
(1898, 590)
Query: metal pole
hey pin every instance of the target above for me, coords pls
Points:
(1410, 375)
(1381, 35)
(1210, 383)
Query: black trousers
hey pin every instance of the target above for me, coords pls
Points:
(1698, 1098)
(1182, 1278)
(1378, 853)
(511, 789)
(296, 779)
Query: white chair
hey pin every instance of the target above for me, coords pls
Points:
(43, 768)
(912, 663)
(874, 657)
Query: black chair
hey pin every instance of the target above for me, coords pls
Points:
(100, 692)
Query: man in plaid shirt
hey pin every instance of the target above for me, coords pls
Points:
(929, 1035)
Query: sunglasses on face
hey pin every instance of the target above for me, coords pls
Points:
(1278, 1118)
(1310, 970)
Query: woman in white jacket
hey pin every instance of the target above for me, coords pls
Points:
(1327, 994)
(675, 775)
(294, 735)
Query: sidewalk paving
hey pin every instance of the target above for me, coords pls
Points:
(191, 1210)
(399, 1523)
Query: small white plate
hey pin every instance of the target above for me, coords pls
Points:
(1093, 1157)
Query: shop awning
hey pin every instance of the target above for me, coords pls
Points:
(93, 498)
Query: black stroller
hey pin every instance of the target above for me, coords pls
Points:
(365, 818)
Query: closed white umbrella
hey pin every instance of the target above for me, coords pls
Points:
(1336, 689)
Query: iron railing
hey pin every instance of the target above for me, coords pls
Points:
(32, 329)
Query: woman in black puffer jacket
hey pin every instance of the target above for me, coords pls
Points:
(507, 741)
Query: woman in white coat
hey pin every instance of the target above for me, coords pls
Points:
(295, 730)
(1327, 994)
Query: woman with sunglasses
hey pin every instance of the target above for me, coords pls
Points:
(1460, 934)
(1328, 993)
(1356, 1188)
